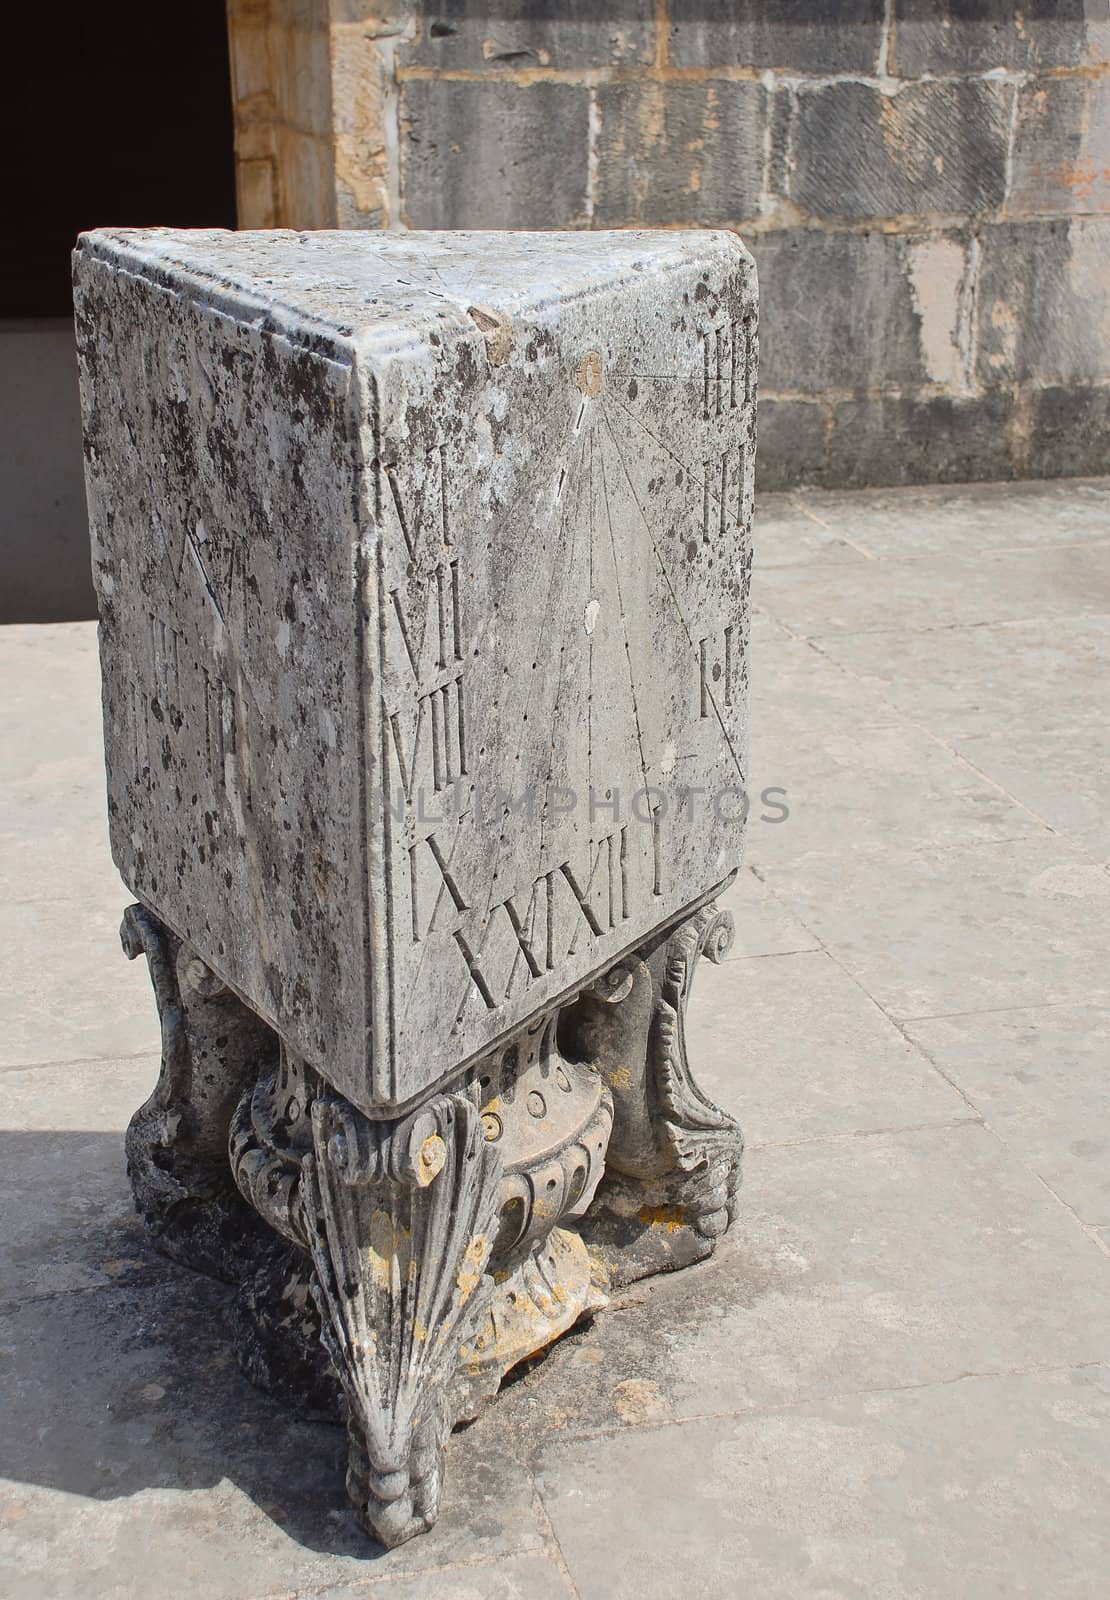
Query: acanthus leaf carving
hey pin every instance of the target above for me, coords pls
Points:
(400, 1220)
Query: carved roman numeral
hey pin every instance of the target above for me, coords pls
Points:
(140, 732)
(443, 709)
(219, 725)
(442, 594)
(447, 886)
(535, 929)
(427, 510)
(222, 740)
(716, 670)
(722, 493)
(728, 362)
(166, 653)
(749, 359)
(726, 367)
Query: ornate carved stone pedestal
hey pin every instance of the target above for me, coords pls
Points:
(423, 565)
(427, 1256)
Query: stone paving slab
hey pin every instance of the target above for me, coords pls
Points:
(815, 1057)
(1017, 680)
(865, 1262)
(764, 927)
(960, 928)
(132, 1445)
(531, 1577)
(982, 1486)
(1039, 1077)
(69, 1220)
(70, 995)
(897, 786)
(1062, 776)
(954, 520)
(937, 592)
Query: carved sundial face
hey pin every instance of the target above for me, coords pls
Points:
(564, 576)
(424, 563)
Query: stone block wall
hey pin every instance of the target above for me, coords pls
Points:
(925, 185)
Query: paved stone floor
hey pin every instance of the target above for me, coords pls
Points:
(889, 1382)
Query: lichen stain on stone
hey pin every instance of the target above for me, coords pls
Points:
(496, 330)
(389, 1240)
(587, 374)
(638, 1400)
(469, 1274)
(672, 1218)
(431, 1159)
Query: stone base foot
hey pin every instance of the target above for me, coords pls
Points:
(212, 1047)
(673, 1165)
(640, 1227)
(400, 1219)
(276, 1327)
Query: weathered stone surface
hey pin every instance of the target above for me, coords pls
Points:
(825, 36)
(791, 443)
(1061, 161)
(335, 692)
(1068, 430)
(892, 439)
(1043, 287)
(841, 312)
(931, 147)
(979, 35)
(680, 152)
(517, 35)
(494, 155)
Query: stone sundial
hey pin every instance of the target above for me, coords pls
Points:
(423, 568)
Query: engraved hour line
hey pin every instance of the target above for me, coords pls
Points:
(579, 481)
(194, 546)
(700, 483)
(420, 963)
(663, 569)
(567, 610)
(624, 619)
(546, 612)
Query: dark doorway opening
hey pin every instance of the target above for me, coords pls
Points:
(120, 114)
